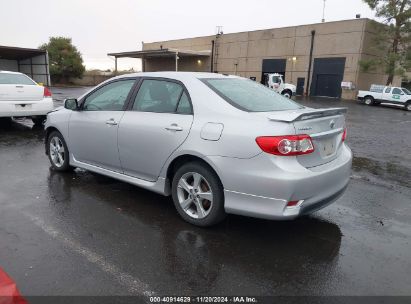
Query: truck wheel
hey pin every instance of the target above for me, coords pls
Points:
(408, 106)
(369, 101)
(287, 94)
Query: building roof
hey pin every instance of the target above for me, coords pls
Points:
(17, 53)
(161, 53)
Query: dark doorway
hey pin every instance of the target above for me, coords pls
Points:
(327, 77)
(328, 85)
(272, 66)
(300, 86)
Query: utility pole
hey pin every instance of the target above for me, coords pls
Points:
(323, 20)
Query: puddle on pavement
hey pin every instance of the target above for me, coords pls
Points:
(387, 170)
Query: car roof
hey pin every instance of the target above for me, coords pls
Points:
(10, 72)
(178, 75)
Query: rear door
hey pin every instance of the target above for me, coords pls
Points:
(93, 129)
(156, 124)
(19, 87)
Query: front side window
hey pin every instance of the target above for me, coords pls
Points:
(276, 79)
(250, 96)
(110, 97)
(387, 90)
(161, 96)
(9, 78)
(406, 91)
(397, 91)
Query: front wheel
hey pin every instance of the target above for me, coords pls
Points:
(198, 195)
(58, 152)
(287, 94)
(407, 106)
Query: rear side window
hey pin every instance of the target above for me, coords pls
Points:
(250, 96)
(161, 96)
(8, 78)
(387, 90)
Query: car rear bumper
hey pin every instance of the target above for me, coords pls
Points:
(26, 108)
(262, 186)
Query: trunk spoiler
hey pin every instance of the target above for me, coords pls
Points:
(305, 114)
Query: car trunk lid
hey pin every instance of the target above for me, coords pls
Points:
(21, 92)
(324, 126)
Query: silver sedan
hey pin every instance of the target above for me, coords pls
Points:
(217, 144)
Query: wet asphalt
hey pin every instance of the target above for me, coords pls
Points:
(79, 233)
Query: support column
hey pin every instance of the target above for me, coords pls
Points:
(177, 61)
(115, 65)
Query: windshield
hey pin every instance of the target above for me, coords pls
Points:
(8, 78)
(247, 95)
(406, 91)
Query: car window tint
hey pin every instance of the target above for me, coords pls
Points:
(110, 97)
(387, 90)
(184, 106)
(158, 96)
(249, 95)
(396, 91)
(8, 78)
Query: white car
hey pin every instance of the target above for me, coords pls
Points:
(21, 96)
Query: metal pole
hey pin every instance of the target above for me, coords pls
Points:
(176, 61)
(115, 65)
(323, 20)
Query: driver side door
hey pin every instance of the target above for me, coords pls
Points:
(93, 129)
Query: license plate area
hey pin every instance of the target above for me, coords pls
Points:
(328, 146)
(23, 107)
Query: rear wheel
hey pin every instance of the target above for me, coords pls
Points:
(369, 101)
(38, 120)
(58, 152)
(408, 106)
(198, 194)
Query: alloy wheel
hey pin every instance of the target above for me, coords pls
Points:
(195, 195)
(57, 152)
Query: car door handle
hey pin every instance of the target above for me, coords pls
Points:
(174, 127)
(111, 122)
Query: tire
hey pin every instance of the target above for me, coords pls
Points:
(188, 201)
(56, 140)
(407, 106)
(38, 120)
(369, 100)
(287, 93)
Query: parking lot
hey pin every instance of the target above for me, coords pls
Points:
(80, 233)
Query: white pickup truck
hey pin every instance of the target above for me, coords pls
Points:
(276, 82)
(381, 94)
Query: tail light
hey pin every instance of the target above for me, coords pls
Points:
(344, 135)
(288, 145)
(47, 92)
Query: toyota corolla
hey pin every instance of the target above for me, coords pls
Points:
(217, 144)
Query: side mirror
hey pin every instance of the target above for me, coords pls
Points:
(71, 104)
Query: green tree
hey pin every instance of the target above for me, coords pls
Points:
(64, 58)
(393, 40)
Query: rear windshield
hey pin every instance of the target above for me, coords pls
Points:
(406, 91)
(249, 95)
(7, 78)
